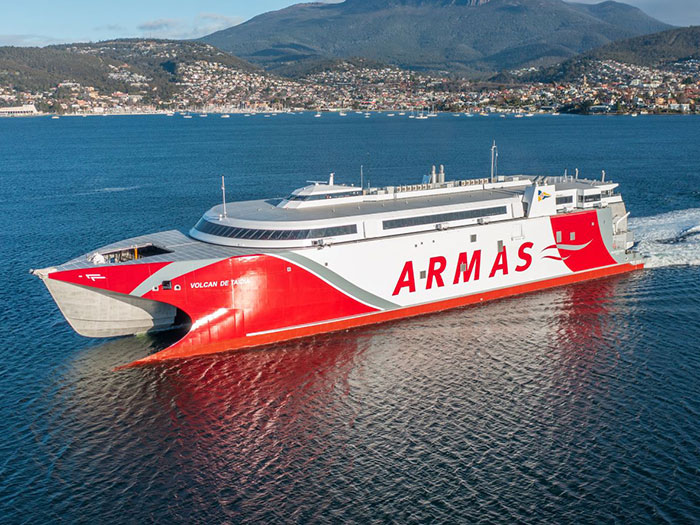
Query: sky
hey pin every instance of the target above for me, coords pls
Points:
(43, 22)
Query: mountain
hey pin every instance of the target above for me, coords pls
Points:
(115, 65)
(472, 37)
(653, 50)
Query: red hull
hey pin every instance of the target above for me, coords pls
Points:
(191, 348)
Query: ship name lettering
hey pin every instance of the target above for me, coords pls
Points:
(205, 284)
(468, 268)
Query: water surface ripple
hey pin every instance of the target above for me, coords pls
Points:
(574, 405)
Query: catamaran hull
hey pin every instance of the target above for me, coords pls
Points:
(94, 312)
(243, 301)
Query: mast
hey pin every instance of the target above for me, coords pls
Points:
(494, 161)
(223, 193)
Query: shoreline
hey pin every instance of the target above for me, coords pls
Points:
(511, 114)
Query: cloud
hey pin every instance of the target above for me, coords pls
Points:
(207, 23)
(216, 18)
(29, 40)
(179, 29)
(162, 24)
(112, 28)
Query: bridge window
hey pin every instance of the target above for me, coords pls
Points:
(131, 253)
(323, 196)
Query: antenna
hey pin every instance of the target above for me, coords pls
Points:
(603, 178)
(362, 178)
(494, 161)
(576, 173)
(331, 179)
(223, 193)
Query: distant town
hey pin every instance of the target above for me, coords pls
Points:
(607, 87)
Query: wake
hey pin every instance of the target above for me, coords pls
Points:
(669, 239)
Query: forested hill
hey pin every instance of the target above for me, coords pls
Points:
(654, 50)
(116, 65)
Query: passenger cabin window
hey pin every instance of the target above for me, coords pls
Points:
(568, 199)
(473, 237)
(443, 217)
(572, 236)
(558, 236)
(500, 246)
(231, 232)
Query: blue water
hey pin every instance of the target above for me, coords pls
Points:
(576, 405)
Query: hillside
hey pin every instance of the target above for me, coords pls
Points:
(651, 50)
(472, 37)
(655, 50)
(130, 66)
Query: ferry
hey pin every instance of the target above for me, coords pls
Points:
(331, 257)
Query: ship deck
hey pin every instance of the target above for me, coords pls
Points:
(266, 211)
(180, 246)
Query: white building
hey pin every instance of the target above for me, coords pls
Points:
(18, 111)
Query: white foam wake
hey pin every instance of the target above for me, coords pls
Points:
(118, 188)
(107, 190)
(669, 239)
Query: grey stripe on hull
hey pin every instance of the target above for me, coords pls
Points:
(573, 247)
(170, 272)
(338, 281)
(605, 222)
(605, 225)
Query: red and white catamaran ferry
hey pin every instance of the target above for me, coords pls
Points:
(331, 257)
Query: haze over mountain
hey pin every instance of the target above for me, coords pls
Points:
(469, 37)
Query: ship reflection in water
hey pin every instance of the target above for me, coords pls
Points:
(483, 407)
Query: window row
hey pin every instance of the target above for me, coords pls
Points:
(443, 217)
(568, 199)
(220, 230)
(322, 196)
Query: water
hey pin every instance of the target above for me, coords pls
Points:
(575, 405)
